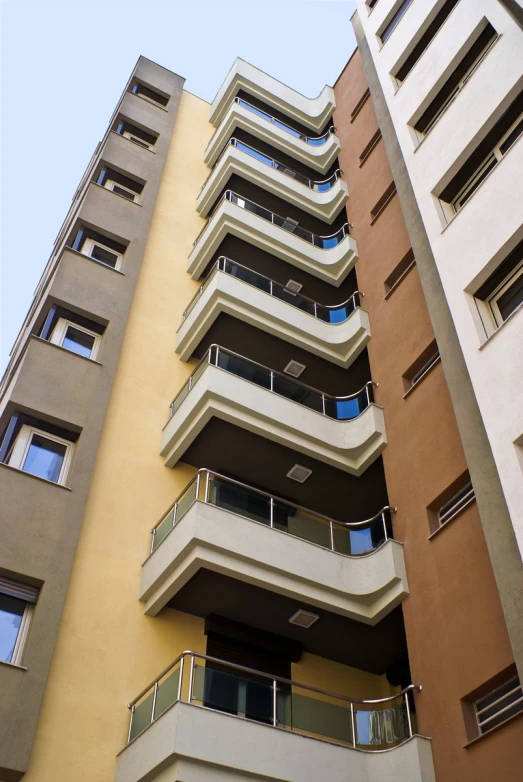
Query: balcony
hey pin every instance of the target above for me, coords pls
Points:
(328, 257)
(207, 717)
(336, 333)
(322, 198)
(311, 112)
(318, 152)
(225, 526)
(345, 432)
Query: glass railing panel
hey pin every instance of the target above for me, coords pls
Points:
(300, 394)
(292, 298)
(239, 500)
(380, 726)
(354, 542)
(317, 142)
(254, 153)
(218, 688)
(288, 129)
(302, 524)
(167, 693)
(254, 110)
(345, 409)
(163, 528)
(337, 315)
(179, 399)
(245, 369)
(186, 500)
(247, 276)
(316, 716)
(291, 173)
(323, 187)
(141, 716)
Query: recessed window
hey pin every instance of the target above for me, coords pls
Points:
(98, 247)
(120, 184)
(402, 71)
(380, 205)
(483, 160)
(16, 608)
(391, 25)
(499, 705)
(399, 272)
(502, 294)
(451, 502)
(421, 367)
(457, 80)
(147, 92)
(456, 504)
(370, 146)
(38, 448)
(135, 134)
(359, 105)
(76, 339)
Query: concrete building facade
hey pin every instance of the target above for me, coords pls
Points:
(244, 537)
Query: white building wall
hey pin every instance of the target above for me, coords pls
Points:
(481, 234)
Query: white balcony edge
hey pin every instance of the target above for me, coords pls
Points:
(311, 112)
(319, 158)
(350, 445)
(330, 265)
(326, 206)
(340, 343)
(362, 588)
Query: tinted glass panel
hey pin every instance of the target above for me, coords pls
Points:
(44, 458)
(104, 256)
(78, 342)
(124, 193)
(11, 612)
(511, 299)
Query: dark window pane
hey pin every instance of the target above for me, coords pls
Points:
(11, 612)
(516, 133)
(124, 193)
(78, 342)
(44, 458)
(511, 299)
(104, 256)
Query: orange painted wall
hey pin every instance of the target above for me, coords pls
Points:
(455, 629)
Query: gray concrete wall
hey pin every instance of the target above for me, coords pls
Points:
(41, 521)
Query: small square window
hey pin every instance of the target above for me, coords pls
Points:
(42, 454)
(98, 252)
(75, 338)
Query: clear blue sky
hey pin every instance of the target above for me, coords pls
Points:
(64, 65)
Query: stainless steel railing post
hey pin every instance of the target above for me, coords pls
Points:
(331, 530)
(207, 485)
(385, 531)
(154, 538)
(353, 724)
(274, 703)
(175, 512)
(155, 695)
(271, 512)
(131, 723)
(197, 492)
(323, 403)
(191, 680)
(272, 380)
(180, 679)
(409, 721)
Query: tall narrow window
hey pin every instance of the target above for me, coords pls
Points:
(391, 25)
(16, 608)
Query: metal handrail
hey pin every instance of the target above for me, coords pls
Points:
(275, 121)
(273, 372)
(273, 498)
(227, 196)
(223, 258)
(312, 183)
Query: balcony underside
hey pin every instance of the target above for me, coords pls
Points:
(319, 158)
(325, 206)
(363, 588)
(311, 112)
(340, 343)
(350, 445)
(331, 265)
(192, 743)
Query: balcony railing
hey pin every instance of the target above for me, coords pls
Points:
(313, 141)
(210, 683)
(325, 242)
(343, 537)
(319, 186)
(335, 313)
(341, 408)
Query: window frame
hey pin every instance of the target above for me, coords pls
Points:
(22, 634)
(480, 726)
(59, 333)
(110, 184)
(88, 247)
(467, 490)
(128, 135)
(503, 287)
(22, 443)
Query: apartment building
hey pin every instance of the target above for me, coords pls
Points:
(244, 537)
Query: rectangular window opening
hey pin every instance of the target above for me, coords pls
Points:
(425, 39)
(393, 22)
(135, 134)
(146, 92)
(359, 105)
(451, 502)
(370, 146)
(399, 272)
(423, 364)
(502, 293)
(382, 202)
(17, 601)
(493, 704)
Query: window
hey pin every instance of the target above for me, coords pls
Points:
(359, 105)
(451, 502)
(483, 160)
(498, 705)
(431, 31)
(75, 338)
(380, 205)
(98, 247)
(399, 272)
(389, 28)
(457, 80)
(120, 184)
(135, 134)
(370, 146)
(423, 364)
(152, 95)
(502, 294)
(16, 608)
(38, 448)
(455, 505)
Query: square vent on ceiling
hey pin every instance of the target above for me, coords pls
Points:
(294, 368)
(293, 287)
(299, 473)
(303, 618)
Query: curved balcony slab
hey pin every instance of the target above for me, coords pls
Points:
(324, 205)
(320, 158)
(340, 343)
(363, 588)
(331, 265)
(311, 112)
(189, 742)
(350, 445)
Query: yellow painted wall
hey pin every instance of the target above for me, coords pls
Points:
(107, 650)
